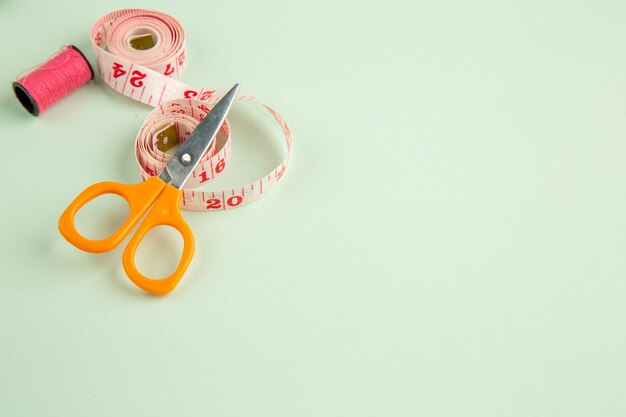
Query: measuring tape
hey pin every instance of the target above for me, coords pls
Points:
(138, 54)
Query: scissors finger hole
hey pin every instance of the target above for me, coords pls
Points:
(102, 217)
(159, 252)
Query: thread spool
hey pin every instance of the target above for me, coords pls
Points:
(53, 79)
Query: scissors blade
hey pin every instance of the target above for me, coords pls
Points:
(191, 150)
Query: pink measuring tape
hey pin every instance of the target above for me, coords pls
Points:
(138, 54)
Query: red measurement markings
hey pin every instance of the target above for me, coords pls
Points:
(136, 78)
(127, 77)
(220, 166)
(217, 203)
(162, 91)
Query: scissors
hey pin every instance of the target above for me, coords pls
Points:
(159, 197)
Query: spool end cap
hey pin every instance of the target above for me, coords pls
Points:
(25, 98)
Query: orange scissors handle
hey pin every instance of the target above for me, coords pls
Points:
(165, 202)
(166, 212)
(139, 197)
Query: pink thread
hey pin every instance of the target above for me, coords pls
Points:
(53, 79)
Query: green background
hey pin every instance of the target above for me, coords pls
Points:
(448, 239)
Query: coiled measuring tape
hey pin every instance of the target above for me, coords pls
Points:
(138, 54)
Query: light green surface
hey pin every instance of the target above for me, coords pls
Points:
(449, 239)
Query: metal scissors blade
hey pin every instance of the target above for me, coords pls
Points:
(188, 155)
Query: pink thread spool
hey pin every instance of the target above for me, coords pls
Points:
(53, 79)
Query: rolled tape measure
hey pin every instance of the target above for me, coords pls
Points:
(138, 54)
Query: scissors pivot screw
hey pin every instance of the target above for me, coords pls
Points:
(185, 158)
